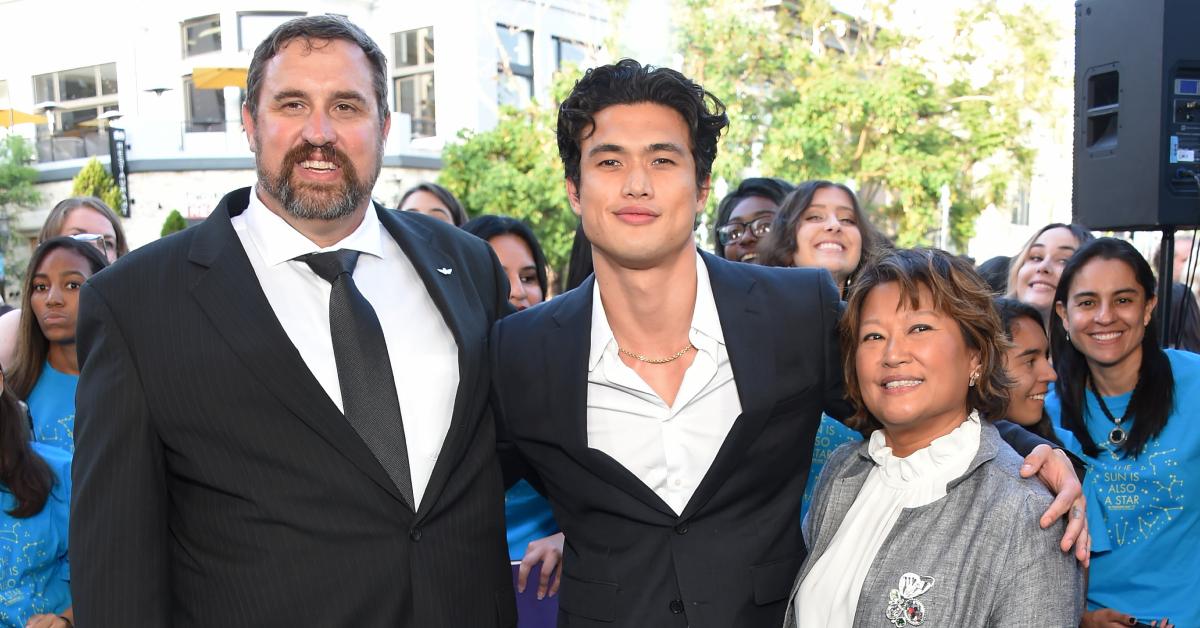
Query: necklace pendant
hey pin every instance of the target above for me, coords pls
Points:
(1117, 436)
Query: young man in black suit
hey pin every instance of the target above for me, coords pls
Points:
(282, 411)
(678, 393)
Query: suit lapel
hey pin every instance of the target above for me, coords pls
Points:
(741, 310)
(567, 348)
(467, 323)
(229, 293)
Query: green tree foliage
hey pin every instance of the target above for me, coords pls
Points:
(815, 94)
(16, 176)
(514, 170)
(94, 180)
(173, 223)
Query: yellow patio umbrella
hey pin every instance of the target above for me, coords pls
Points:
(9, 117)
(217, 78)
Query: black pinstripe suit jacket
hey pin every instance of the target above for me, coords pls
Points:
(216, 485)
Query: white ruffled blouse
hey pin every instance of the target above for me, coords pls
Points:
(829, 594)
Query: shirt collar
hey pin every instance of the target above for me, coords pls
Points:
(705, 332)
(278, 242)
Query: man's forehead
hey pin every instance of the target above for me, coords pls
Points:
(637, 126)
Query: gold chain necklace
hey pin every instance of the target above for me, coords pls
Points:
(671, 358)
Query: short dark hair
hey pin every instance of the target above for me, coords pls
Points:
(628, 82)
(959, 293)
(1154, 395)
(457, 213)
(766, 187)
(308, 29)
(489, 226)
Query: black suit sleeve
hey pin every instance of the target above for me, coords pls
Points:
(118, 530)
(836, 403)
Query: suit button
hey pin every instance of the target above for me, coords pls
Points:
(415, 534)
(681, 528)
(676, 607)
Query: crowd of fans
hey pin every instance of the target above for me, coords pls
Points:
(1061, 338)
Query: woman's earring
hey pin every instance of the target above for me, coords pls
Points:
(974, 378)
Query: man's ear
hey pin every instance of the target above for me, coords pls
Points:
(248, 125)
(702, 195)
(573, 196)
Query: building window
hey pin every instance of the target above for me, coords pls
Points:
(254, 27)
(202, 35)
(3, 93)
(1020, 202)
(514, 70)
(571, 52)
(205, 108)
(413, 79)
(78, 96)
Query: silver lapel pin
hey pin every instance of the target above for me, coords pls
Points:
(445, 271)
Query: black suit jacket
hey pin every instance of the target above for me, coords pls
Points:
(216, 484)
(729, 560)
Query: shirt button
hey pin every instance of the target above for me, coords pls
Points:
(681, 528)
(676, 607)
(415, 534)
(677, 482)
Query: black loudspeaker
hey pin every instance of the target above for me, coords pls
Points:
(1137, 114)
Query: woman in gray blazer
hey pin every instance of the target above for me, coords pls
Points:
(928, 521)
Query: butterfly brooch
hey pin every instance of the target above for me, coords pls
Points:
(903, 608)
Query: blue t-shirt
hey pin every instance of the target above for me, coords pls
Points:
(52, 406)
(527, 517)
(34, 574)
(831, 435)
(1147, 511)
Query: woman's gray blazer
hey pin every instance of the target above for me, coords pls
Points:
(990, 562)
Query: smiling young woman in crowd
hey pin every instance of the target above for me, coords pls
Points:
(45, 370)
(434, 201)
(1033, 274)
(1126, 403)
(921, 524)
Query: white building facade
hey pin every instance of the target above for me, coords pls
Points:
(144, 68)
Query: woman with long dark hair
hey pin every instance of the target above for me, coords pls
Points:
(45, 370)
(1128, 404)
(85, 217)
(533, 535)
(34, 508)
(821, 224)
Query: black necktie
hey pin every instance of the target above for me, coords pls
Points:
(364, 370)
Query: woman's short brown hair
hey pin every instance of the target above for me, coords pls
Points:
(958, 292)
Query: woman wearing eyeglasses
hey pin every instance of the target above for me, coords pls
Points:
(86, 218)
(744, 217)
(46, 368)
(35, 493)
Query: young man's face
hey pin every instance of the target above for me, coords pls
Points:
(637, 194)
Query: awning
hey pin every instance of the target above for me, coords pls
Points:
(9, 117)
(217, 78)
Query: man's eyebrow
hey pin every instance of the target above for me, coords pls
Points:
(605, 148)
(289, 93)
(669, 147)
(349, 95)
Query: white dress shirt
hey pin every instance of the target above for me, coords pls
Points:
(669, 448)
(422, 350)
(828, 596)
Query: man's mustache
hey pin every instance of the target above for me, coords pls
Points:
(304, 152)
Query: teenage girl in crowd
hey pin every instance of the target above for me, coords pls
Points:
(533, 535)
(45, 370)
(92, 221)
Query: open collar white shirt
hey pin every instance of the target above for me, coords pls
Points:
(421, 348)
(668, 447)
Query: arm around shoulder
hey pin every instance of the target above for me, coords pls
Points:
(118, 533)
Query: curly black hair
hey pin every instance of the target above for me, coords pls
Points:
(628, 82)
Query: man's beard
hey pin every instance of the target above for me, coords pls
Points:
(309, 201)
